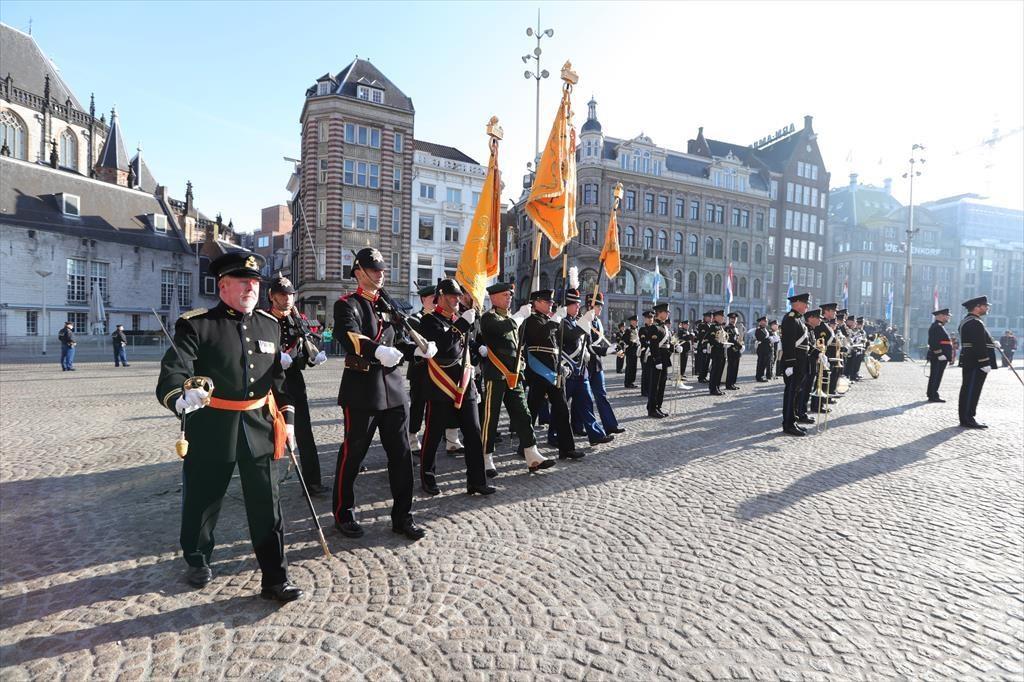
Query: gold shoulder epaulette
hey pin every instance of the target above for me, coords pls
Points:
(264, 312)
(194, 313)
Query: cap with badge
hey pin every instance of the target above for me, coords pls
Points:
(595, 300)
(800, 298)
(941, 311)
(648, 313)
(429, 290)
(500, 288)
(762, 319)
(543, 295)
(975, 302)
(829, 306)
(368, 259)
(716, 313)
(708, 313)
(812, 313)
(448, 287)
(572, 296)
(281, 285)
(661, 308)
(733, 316)
(238, 264)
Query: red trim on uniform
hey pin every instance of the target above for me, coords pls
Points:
(367, 296)
(341, 468)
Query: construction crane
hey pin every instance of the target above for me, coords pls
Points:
(988, 145)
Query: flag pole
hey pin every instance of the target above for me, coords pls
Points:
(617, 194)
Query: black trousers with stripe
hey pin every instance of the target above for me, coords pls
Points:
(441, 415)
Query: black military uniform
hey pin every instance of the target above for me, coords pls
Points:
(977, 359)
(544, 375)
(716, 353)
(630, 344)
(372, 397)
(243, 424)
(645, 355)
(620, 345)
(940, 355)
(702, 360)
(417, 376)
(302, 344)
(795, 345)
(659, 355)
(733, 353)
(762, 337)
(684, 339)
(821, 332)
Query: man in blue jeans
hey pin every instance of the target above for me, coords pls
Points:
(120, 341)
(67, 347)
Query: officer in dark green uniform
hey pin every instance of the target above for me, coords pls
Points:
(237, 347)
(503, 379)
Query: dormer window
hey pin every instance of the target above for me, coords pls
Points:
(158, 221)
(323, 88)
(70, 204)
(368, 94)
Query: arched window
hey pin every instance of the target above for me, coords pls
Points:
(709, 287)
(12, 133)
(735, 253)
(758, 254)
(757, 288)
(648, 238)
(588, 278)
(625, 282)
(678, 242)
(691, 283)
(718, 285)
(709, 248)
(677, 282)
(744, 252)
(692, 244)
(742, 288)
(693, 313)
(678, 314)
(718, 248)
(630, 235)
(69, 149)
(663, 240)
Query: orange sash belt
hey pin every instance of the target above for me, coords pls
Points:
(511, 378)
(280, 427)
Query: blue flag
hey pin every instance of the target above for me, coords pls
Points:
(791, 291)
(888, 306)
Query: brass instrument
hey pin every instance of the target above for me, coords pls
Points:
(721, 337)
(821, 385)
(879, 347)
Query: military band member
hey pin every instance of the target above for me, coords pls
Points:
(417, 372)
(775, 366)
(631, 348)
(733, 352)
(300, 349)
(977, 359)
(819, 331)
(600, 346)
(684, 340)
(245, 422)
(795, 344)
(660, 346)
(763, 346)
(857, 345)
(940, 353)
(830, 318)
(575, 339)
(503, 378)
(716, 340)
(620, 355)
(372, 396)
(544, 372)
(702, 360)
(645, 354)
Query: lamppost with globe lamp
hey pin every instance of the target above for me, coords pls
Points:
(911, 174)
(46, 320)
(538, 75)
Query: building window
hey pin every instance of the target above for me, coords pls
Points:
(424, 270)
(625, 283)
(323, 88)
(321, 212)
(694, 211)
(709, 284)
(758, 254)
(735, 217)
(356, 215)
(770, 277)
(630, 235)
(454, 196)
(426, 232)
(80, 320)
(396, 220)
(450, 266)
(209, 286)
(167, 280)
(185, 290)
(741, 289)
(709, 213)
(691, 283)
(744, 252)
(718, 248)
(589, 193)
(709, 247)
(662, 205)
(32, 323)
(771, 246)
(648, 202)
(691, 245)
(426, 191)
(396, 179)
(648, 238)
(677, 282)
(744, 218)
(630, 200)
(263, 242)
(451, 231)
(789, 192)
(362, 135)
(399, 142)
(71, 205)
(12, 130)
(677, 242)
(396, 261)
(663, 240)
(69, 149)
(322, 176)
(136, 322)
(720, 215)
(362, 174)
(76, 284)
(680, 208)
(774, 190)
(772, 218)
(757, 288)
(321, 131)
(474, 200)
(735, 253)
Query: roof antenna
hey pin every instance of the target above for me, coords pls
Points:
(30, 25)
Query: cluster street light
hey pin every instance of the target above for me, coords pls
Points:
(538, 75)
(46, 320)
(916, 150)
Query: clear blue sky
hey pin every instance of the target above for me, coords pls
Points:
(213, 90)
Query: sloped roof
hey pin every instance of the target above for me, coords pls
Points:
(28, 198)
(362, 72)
(143, 177)
(21, 57)
(777, 154)
(113, 154)
(442, 151)
(861, 204)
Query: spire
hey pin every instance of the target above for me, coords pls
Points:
(92, 105)
(112, 165)
(591, 124)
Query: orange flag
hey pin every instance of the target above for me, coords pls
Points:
(552, 202)
(610, 254)
(481, 256)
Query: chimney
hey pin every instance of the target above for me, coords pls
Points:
(807, 122)
(853, 180)
(887, 184)
(188, 197)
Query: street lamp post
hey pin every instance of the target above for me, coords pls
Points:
(46, 320)
(911, 174)
(538, 75)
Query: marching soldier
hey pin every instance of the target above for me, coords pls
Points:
(795, 344)
(762, 337)
(600, 346)
(575, 337)
(620, 355)
(818, 330)
(235, 345)
(940, 353)
(299, 350)
(451, 395)
(417, 372)
(630, 345)
(715, 343)
(977, 359)
(503, 380)
(645, 353)
(684, 340)
(372, 396)
(702, 360)
(659, 355)
(733, 352)
(543, 373)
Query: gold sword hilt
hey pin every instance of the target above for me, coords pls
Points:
(204, 383)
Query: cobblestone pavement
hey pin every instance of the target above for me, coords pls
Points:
(703, 546)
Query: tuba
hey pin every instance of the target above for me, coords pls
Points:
(880, 347)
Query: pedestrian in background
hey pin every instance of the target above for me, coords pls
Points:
(120, 346)
(66, 336)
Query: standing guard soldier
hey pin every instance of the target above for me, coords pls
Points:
(795, 344)
(236, 347)
(600, 346)
(299, 350)
(503, 380)
(451, 394)
(544, 373)
(702, 361)
(940, 353)
(417, 372)
(659, 354)
(631, 348)
(684, 340)
(977, 359)
(575, 339)
(620, 345)
(372, 396)
(645, 353)
(733, 352)
(715, 340)
(762, 337)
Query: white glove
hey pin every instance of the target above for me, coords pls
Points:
(659, 366)
(588, 318)
(561, 311)
(429, 353)
(191, 400)
(320, 359)
(483, 351)
(469, 316)
(773, 338)
(388, 356)
(986, 369)
(286, 360)
(556, 318)
(940, 357)
(524, 312)
(289, 429)
(677, 349)
(788, 372)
